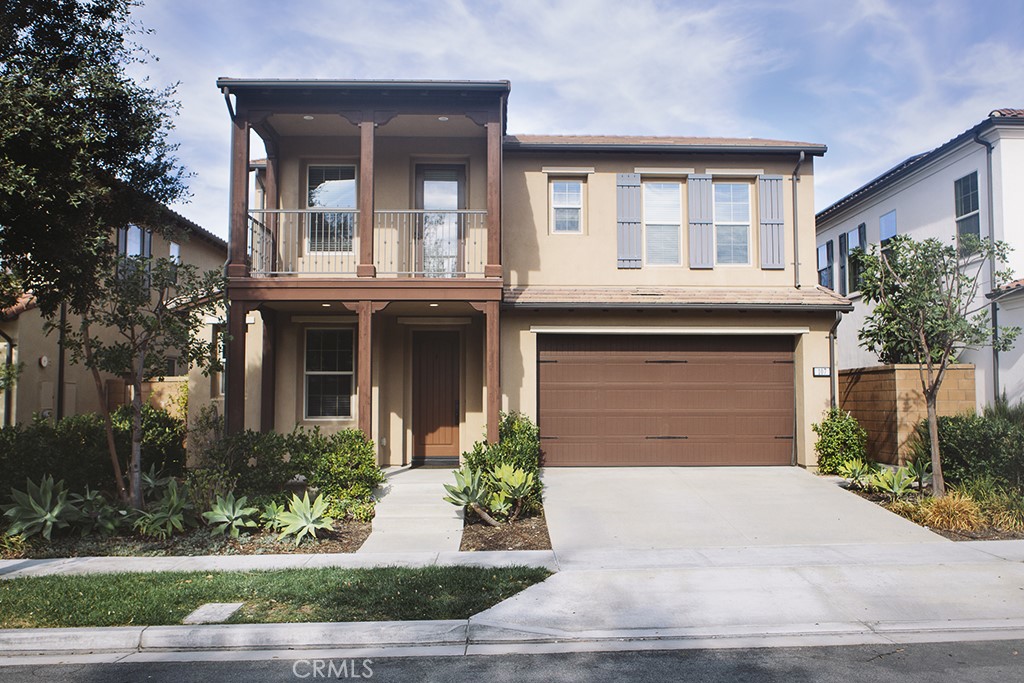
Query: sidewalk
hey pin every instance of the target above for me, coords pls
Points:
(615, 600)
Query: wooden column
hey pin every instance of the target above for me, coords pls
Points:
(491, 309)
(234, 395)
(365, 267)
(239, 195)
(270, 201)
(268, 377)
(364, 376)
(493, 265)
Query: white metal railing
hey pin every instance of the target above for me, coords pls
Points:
(430, 243)
(300, 241)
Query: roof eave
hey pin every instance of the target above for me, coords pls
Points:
(235, 85)
(811, 308)
(813, 150)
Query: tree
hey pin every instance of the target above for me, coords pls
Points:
(145, 310)
(927, 311)
(83, 147)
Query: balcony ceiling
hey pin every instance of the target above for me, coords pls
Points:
(457, 125)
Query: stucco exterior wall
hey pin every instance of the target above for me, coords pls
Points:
(519, 355)
(533, 255)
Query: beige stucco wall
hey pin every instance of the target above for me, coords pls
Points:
(36, 389)
(519, 354)
(533, 255)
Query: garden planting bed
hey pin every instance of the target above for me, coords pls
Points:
(529, 532)
(909, 508)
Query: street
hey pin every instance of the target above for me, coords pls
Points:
(926, 662)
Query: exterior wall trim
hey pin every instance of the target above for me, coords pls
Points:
(752, 331)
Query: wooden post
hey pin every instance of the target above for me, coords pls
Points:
(493, 266)
(239, 195)
(365, 267)
(363, 371)
(234, 395)
(491, 309)
(268, 377)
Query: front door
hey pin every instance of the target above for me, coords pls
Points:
(440, 193)
(435, 398)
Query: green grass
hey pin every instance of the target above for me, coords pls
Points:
(292, 595)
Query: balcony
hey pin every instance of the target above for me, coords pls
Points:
(406, 243)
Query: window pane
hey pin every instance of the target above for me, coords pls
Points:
(663, 245)
(732, 202)
(328, 395)
(567, 220)
(853, 241)
(329, 350)
(823, 260)
(662, 203)
(567, 193)
(332, 187)
(175, 252)
(331, 231)
(969, 226)
(731, 243)
(134, 241)
(965, 191)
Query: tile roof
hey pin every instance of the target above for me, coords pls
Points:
(25, 302)
(542, 296)
(1009, 289)
(633, 142)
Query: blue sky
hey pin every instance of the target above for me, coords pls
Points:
(875, 80)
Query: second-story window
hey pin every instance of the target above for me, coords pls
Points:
(825, 264)
(134, 241)
(567, 206)
(662, 221)
(331, 187)
(732, 223)
(852, 246)
(968, 215)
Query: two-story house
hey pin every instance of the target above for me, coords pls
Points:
(965, 186)
(412, 270)
(49, 383)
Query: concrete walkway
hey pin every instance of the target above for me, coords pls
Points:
(590, 509)
(412, 515)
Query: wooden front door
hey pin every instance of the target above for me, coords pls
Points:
(435, 397)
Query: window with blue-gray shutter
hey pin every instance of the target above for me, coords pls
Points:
(702, 238)
(773, 236)
(628, 197)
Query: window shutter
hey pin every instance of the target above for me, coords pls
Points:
(773, 239)
(843, 253)
(628, 200)
(122, 241)
(702, 237)
(147, 243)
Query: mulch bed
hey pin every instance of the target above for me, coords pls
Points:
(346, 537)
(526, 533)
(985, 534)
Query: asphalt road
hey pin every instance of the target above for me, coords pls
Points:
(997, 661)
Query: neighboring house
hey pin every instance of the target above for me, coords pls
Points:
(410, 270)
(969, 185)
(49, 383)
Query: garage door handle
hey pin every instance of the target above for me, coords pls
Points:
(666, 361)
(665, 438)
(784, 437)
(549, 438)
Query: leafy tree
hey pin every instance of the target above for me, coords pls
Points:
(928, 311)
(145, 311)
(83, 147)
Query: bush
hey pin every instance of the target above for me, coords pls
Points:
(518, 446)
(840, 440)
(163, 439)
(259, 462)
(343, 465)
(956, 511)
(973, 446)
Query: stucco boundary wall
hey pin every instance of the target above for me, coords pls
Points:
(888, 402)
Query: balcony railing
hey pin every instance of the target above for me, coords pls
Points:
(407, 243)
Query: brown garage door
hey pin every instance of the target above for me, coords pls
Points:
(666, 400)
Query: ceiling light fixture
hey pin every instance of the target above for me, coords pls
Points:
(442, 118)
(434, 305)
(326, 305)
(307, 117)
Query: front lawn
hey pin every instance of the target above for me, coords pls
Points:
(292, 595)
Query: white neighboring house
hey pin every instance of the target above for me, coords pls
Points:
(973, 183)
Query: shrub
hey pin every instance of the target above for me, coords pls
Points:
(97, 515)
(1002, 507)
(859, 472)
(303, 518)
(518, 446)
(169, 514)
(343, 465)
(40, 509)
(840, 439)
(230, 515)
(895, 484)
(973, 446)
(163, 439)
(206, 484)
(956, 511)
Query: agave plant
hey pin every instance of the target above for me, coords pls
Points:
(40, 509)
(514, 484)
(304, 518)
(893, 483)
(97, 513)
(169, 514)
(858, 472)
(920, 468)
(469, 491)
(230, 516)
(271, 516)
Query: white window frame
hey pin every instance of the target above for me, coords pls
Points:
(828, 248)
(306, 373)
(970, 214)
(895, 226)
(678, 224)
(552, 181)
(715, 222)
(340, 209)
(174, 252)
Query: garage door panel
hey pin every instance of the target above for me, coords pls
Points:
(613, 400)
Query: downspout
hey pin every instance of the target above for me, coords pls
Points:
(60, 361)
(833, 373)
(994, 306)
(796, 223)
(8, 395)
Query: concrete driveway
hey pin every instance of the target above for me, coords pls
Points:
(654, 508)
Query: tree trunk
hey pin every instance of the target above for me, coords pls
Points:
(938, 483)
(108, 424)
(136, 466)
(483, 514)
